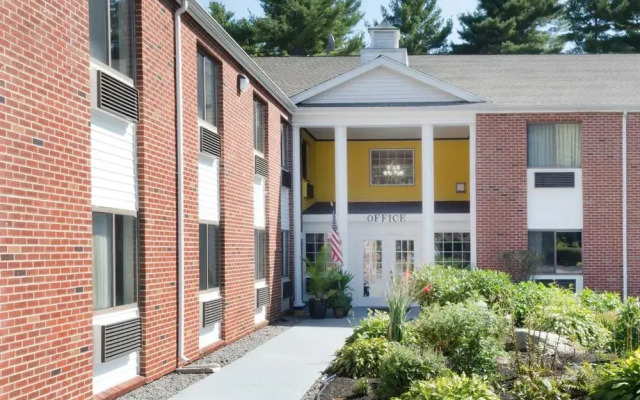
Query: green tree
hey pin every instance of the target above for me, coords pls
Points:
(421, 25)
(511, 26)
(296, 27)
(590, 25)
(626, 17)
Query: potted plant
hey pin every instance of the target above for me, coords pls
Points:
(320, 275)
(339, 297)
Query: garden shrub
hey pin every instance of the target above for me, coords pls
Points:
(581, 381)
(600, 302)
(627, 326)
(535, 387)
(402, 365)
(359, 359)
(529, 296)
(470, 335)
(621, 380)
(452, 387)
(361, 388)
(375, 325)
(444, 285)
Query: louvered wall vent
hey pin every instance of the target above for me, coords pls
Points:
(310, 193)
(117, 97)
(563, 283)
(286, 290)
(286, 178)
(262, 297)
(261, 166)
(555, 179)
(121, 338)
(211, 312)
(210, 142)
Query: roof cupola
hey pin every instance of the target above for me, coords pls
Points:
(385, 41)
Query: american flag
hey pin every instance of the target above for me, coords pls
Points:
(336, 243)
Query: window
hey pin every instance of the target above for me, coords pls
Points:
(209, 256)
(391, 167)
(285, 140)
(207, 89)
(304, 160)
(560, 252)
(115, 240)
(453, 248)
(404, 257)
(259, 120)
(373, 283)
(314, 243)
(260, 255)
(285, 254)
(554, 145)
(111, 34)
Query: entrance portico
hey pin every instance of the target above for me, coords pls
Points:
(385, 229)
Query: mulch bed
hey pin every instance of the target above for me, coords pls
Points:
(342, 389)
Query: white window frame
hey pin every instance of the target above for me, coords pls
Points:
(108, 66)
(413, 169)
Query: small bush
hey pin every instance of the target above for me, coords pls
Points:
(469, 334)
(627, 326)
(621, 380)
(530, 296)
(600, 302)
(534, 387)
(581, 381)
(452, 387)
(359, 359)
(376, 325)
(361, 388)
(494, 286)
(401, 366)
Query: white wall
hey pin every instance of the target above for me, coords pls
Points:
(381, 85)
(210, 334)
(554, 208)
(259, 209)
(208, 188)
(117, 371)
(284, 208)
(113, 162)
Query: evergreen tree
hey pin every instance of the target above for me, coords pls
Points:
(510, 26)
(626, 19)
(421, 25)
(590, 25)
(241, 30)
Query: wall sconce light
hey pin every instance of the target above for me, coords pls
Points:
(243, 83)
(461, 187)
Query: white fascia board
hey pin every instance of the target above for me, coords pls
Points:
(394, 66)
(383, 116)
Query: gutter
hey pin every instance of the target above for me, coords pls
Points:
(180, 176)
(624, 206)
(213, 28)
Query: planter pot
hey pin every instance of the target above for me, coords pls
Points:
(338, 312)
(317, 309)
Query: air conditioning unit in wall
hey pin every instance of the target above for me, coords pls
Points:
(113, 95)
(555, 179)
(211, 312)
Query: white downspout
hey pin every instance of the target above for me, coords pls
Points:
(180, 162)
(624, 206)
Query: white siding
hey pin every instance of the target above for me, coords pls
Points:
(284, 208)
(259, 218)
(208, 189)
(382, 85)
(384, 40)
(554, 208)
(113, 170)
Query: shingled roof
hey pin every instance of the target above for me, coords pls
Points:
(610, 80)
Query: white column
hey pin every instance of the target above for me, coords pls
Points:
(297, 220)
(428, 197)
(472, 193)
(342, 195)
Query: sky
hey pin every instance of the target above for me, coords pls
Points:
(371, 9)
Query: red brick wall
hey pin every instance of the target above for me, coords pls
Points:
(501, 184)
(157, 187)
(633, 202)
(45, 201)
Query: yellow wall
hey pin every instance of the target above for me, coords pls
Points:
(451, 166)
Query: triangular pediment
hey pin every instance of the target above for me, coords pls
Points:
(384, 81)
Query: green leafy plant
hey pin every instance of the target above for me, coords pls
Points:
(536, 387)
(451, 387)
(621, 380)
(362, 387)
(359, 359)
(470, 335)
(600, 301)
(627, 326)
(399, 298)
(402, 365)
(322, 274)
(375, 325)
(580, 381)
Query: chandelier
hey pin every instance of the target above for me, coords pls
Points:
(393, 170)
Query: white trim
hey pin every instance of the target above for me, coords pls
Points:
(383, 61)
(209, 126)
(297, 218)
(108, 210)
(473, 215)
(428, 196)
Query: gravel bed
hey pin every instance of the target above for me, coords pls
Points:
(313, 391)
(169, 385)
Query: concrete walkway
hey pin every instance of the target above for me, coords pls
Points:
(284, 368)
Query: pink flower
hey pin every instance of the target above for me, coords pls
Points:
(426, 289)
